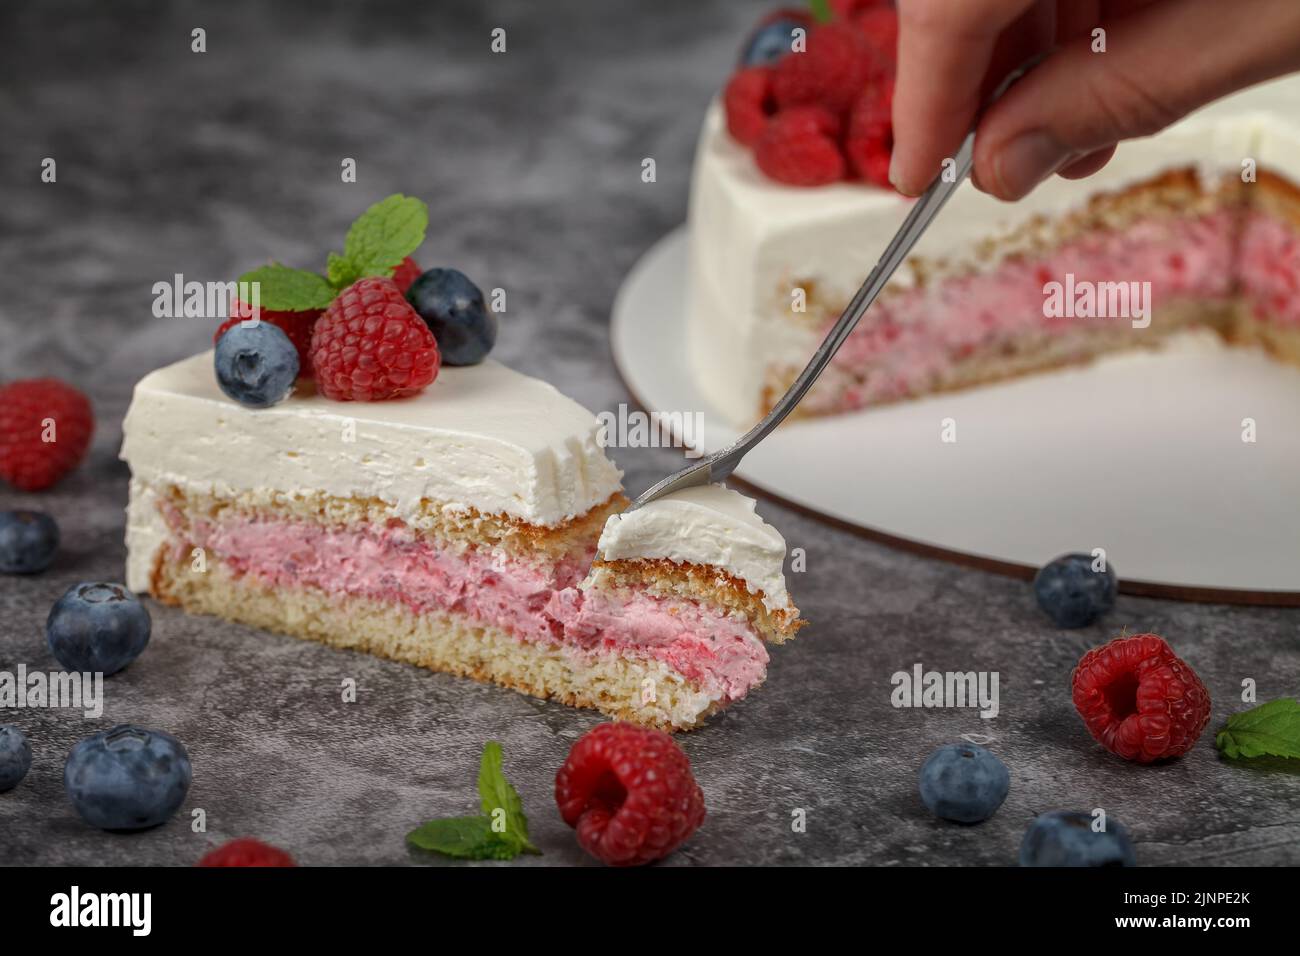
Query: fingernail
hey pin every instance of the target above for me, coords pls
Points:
(1026, 161)
(896, 177)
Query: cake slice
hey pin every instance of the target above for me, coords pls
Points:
(695, 580)
(456, 530)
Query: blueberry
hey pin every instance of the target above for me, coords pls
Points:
(28, 541)
(127, 778)
(256, 365)
(15, 757)
(1072, 594)
(770, 42)
(97, 627)
(1061, 838)
(452, 307)
(964, 783)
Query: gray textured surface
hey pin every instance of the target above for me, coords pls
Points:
(205, 165)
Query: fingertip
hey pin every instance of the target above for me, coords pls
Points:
(1087, 165)
(900, 179)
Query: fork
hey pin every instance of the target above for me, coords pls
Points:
(720, 464)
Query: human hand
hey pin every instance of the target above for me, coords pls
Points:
(1162, 60)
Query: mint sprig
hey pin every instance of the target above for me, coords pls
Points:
(379, 239)
(377, 242)
(282, 289)
(500, 833)
(466, 838)
(821, 10)
(1271, 729)
(500, 800)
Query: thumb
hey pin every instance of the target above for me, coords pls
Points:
(1160, 62)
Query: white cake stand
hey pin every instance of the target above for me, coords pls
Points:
(1140, 454)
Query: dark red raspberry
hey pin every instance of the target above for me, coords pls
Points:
(405, 273)
(245, 851)
(1139, 700)
(629, 793)
(747, 101)
(846, 9)
(870, 140)
(831, 72)
(45, 429)
(879, 26)
(372, 345)
(799, 147)
(296, 325)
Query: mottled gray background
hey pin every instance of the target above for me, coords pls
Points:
(208, 164)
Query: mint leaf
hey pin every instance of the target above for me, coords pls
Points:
(473, 838)
(496, 793)
(340, 271)
(282, 289)
(466, 838)
(821, 10)
(1271, 729)
(380, 239)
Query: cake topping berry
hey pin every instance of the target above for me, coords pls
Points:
(629, 793)
(296, 325)
(798, 147)
(45, 429)
(1071, 593)
(372, 345)
(406, 272)
(870, 139)
(28, 541)
(747, 101)
(774, 37)
(1139, 700)
(245, 851)
(831, 72)
(256, 365)
(845, 70)
(879, 26)
(453, 308)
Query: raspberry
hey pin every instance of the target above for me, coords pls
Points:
(799, 147)
(296, 325)
(1139, 700)
(747, 101)
(405, 273)
(371, 345)
(879, 26)
(245, 851)
(629, 793)
(845, 9)
(831, 72)
(870, 140)
(45, 429)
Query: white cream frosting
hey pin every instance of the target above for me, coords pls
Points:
(483, 437)
(708, 525)
(752, 239)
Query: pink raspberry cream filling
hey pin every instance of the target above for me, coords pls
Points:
(533, 601)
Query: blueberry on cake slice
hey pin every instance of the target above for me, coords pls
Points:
(454, 529)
